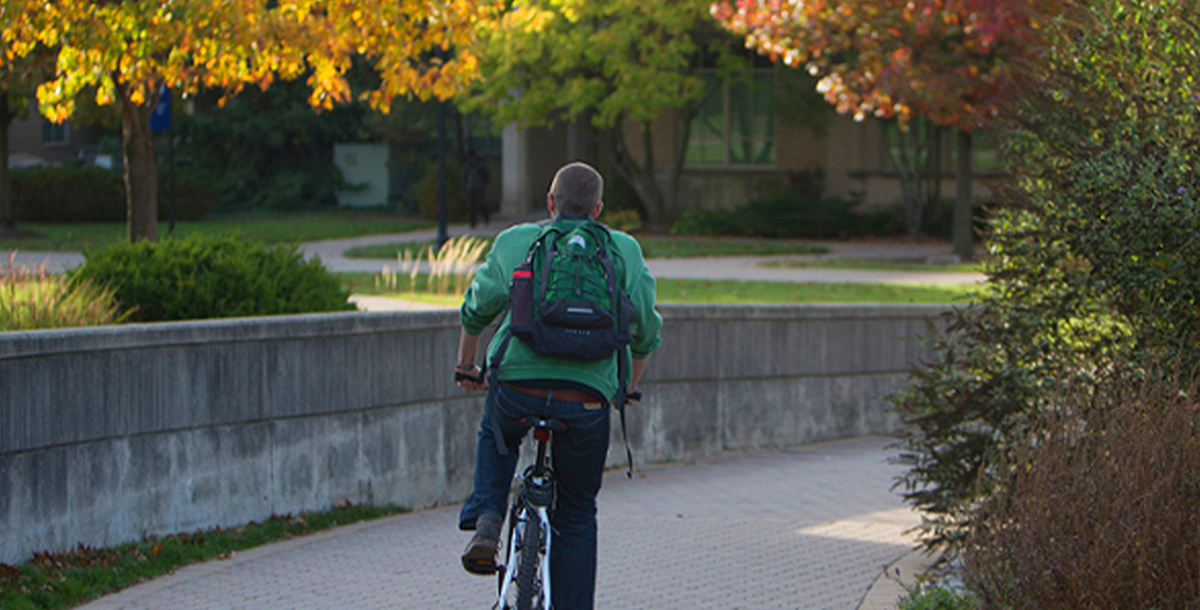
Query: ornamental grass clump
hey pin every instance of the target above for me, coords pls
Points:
(450, 267)
(1100, 507)
(33, 299)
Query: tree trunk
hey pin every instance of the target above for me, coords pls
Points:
(661, 200)
(640, 176)
(7, 216)
(915, 156)
(141, 172)
(962, 232)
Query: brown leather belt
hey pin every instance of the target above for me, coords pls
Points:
(564, 395)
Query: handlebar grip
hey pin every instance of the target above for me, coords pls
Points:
(461, 376)
(634, 396)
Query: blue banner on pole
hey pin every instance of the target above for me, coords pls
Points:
(160, 120)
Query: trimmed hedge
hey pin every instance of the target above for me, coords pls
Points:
(86, 193)
(200, 277)
(788, 215)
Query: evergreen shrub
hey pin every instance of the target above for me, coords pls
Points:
(201, 277)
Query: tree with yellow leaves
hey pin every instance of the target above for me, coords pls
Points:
(126, 50)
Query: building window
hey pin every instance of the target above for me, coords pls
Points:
(735, 125)
(924, 143)
(54, 133)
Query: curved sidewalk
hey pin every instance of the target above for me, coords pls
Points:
(713, 268)
(805, 528)
(710, 268)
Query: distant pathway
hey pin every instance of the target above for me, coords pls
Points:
(716, 268)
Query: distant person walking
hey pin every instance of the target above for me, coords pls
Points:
(475, 179)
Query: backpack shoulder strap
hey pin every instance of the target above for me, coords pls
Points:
(623, 365)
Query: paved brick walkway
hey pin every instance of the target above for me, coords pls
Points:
(807, 527)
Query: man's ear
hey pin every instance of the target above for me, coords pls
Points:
(550, 205)
(599, 207)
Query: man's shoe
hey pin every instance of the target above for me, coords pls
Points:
(480, 554)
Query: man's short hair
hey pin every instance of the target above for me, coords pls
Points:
(577, 189)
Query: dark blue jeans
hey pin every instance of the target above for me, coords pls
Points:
(578, 456)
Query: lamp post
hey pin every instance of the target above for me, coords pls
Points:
(160, 120)
(442, 236)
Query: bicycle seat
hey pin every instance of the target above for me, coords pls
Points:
(540, 423)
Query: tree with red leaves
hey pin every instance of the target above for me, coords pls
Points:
(947, 60)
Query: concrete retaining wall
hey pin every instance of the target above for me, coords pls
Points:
(109, 433)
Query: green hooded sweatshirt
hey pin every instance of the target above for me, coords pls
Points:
(487, 298)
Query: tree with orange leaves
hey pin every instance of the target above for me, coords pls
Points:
(947, 60)
(126, 50)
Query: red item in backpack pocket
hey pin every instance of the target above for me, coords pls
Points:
(520, 297)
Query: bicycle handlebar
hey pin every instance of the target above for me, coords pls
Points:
(461, 376)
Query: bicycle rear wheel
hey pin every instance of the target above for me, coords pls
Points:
(528, 585)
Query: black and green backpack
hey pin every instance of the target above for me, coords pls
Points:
(566, 300)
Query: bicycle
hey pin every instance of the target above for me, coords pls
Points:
(529, 534)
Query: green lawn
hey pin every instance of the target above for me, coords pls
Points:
(873, 265)
(739, 292)
(272, 229)
(652, 247)
(727, 291)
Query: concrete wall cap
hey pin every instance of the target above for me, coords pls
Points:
(24, 344)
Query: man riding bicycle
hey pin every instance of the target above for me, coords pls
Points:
(576, 392)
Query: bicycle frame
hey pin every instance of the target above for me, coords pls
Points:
(531, 508)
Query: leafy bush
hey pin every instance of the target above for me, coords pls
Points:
(627, 220)
(212, 277)
(32, 300)
(1099, 508)
(792, 214)
(75, 193)
(268, 149)
(1091, 260)
(933, 597)
(68, 194)
(787, 215)
(716, 223)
